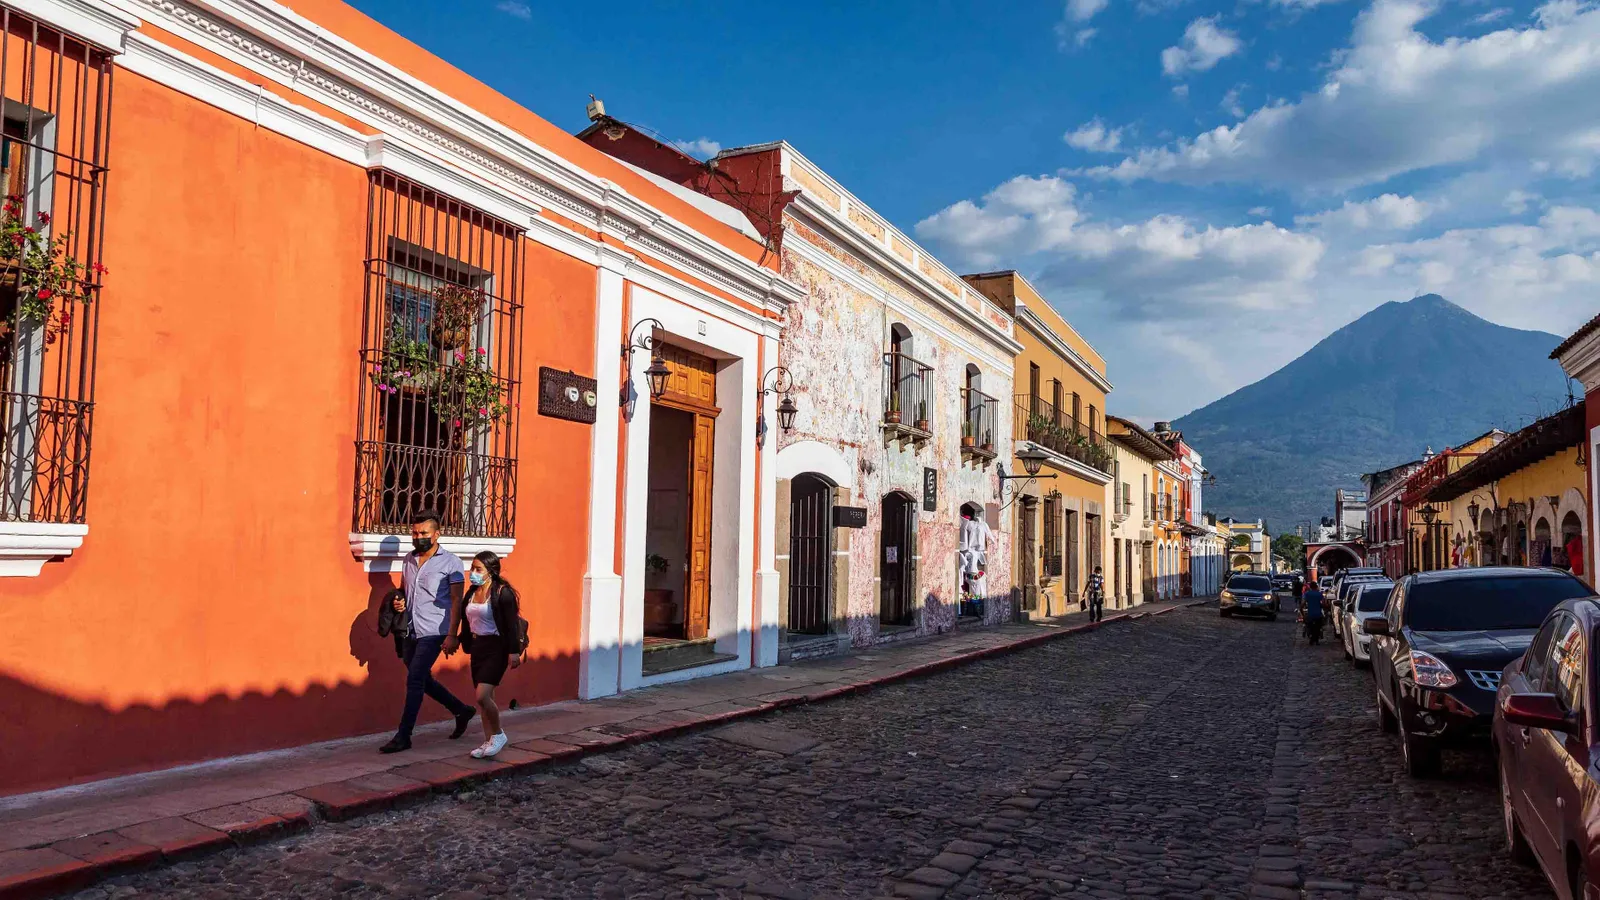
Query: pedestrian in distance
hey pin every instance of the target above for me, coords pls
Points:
(1311, 612)
(1095, 591)
(433, 579)
(495, 635)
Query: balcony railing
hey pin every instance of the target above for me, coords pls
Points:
(907, 392)
(1039, 421)
(979, 412)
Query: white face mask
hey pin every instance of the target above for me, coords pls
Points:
(479, 578)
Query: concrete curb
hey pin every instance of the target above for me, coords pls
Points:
(75, 864)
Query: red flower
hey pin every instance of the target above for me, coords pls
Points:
(44, 218)
(19, 238)
(99, 269)
(66, 318)
(46, 293)
(29, 229)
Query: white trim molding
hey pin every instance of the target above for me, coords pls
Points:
(822, 459)
(1582, 361)
(26, 546)
(385, 552)
(270, 40)
(1066, 463)
(94, 21)
(1031, 321)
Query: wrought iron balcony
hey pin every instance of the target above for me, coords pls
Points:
(907, 397)
(979, 413)
(1039, 421)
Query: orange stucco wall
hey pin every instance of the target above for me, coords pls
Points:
(214, 607)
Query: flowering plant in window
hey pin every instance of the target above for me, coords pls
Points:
(46, 277)
(468, 393)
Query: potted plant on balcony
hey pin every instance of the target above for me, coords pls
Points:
(988, 442)
(922, 415)
(967, 438)
(46, 279)
(893, 415)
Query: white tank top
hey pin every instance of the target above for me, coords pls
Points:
(481, 617)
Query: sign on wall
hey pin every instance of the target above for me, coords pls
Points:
(850, 516)
(930, 489)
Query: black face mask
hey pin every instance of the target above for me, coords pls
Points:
(422, 544)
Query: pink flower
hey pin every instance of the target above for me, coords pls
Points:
(483, 411)
(482, 352)
(460, 357)
(458, 423)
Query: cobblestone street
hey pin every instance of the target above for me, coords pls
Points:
(1180, 756)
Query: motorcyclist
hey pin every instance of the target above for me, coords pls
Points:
(1311, 612)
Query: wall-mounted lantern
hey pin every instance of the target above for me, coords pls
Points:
(1474, 510)
(657, 372)
(776, 381)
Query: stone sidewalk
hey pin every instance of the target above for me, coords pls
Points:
(67, 838)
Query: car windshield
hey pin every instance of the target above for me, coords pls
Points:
(1250, 584)
(1498, 602)
(1373, 599)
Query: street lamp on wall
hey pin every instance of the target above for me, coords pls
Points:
(1428, 513)
(1473, 510)
(657, 372)
(781, 384)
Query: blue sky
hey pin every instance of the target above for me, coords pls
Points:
(1204, 189)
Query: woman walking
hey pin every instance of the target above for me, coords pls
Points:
(493, 633)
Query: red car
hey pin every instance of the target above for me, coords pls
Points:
(1548, 744)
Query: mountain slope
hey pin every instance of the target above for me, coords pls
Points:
(1373, 394)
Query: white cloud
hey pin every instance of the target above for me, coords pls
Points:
(1397, 101)
(1181, 91)
(1517, 201)
(1163, 265)
(1082, 37)
(1492, 16)
(515, 8)
(1095, 137)
(1230, 102)
(702, 148)
(1204, 45)
(1084, 10)
(1260, 212)
(1304, 4)
(1388, 212)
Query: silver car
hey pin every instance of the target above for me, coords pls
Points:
(1367, 600)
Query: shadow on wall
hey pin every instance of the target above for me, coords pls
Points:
(51, 740)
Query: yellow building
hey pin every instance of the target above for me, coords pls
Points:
(1519, 503)
(1429, 535)
(1063, 530)
(1135, 512)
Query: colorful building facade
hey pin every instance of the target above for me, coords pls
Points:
(1579, 356)
(1063, 517)
(1138, 452)
(325, 281)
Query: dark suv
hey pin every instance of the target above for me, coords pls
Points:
(1248, 592)
(1441, 645)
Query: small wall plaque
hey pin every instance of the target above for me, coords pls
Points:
(850, 516)
(565, 395)
(930, 489)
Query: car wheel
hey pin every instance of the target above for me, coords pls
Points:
(1387, 723)
(1421, 756)
(1344, 644)
(1516, 844)
(1579, 879)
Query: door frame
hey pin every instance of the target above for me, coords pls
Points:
(905, 571)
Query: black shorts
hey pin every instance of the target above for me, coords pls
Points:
(489, 658)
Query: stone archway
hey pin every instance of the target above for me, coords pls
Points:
(1333, 558)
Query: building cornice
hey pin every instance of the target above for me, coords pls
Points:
(1068, 464)
(272, 41)
(1581, 360)
(1037, 326)
(95, 21)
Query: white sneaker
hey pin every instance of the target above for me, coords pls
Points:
(482, 750)
(495, 745)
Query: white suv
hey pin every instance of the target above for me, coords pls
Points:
(1367, 600)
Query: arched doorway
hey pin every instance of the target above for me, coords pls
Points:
(1571, 527)
(896, 604)
(810, 554)
(1519, 547)
(1242, 562)
(1539, 551)
(1333, 558)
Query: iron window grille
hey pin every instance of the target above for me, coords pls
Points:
(1052, 539)
(441, 351)
(907, 390)
(54, 138)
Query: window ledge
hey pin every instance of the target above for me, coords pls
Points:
(26, 546)
(384, 552)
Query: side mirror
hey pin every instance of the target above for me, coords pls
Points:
(1538, 711)
(1375, 626)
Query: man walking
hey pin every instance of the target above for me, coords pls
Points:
(433, 579)
(1095, 591)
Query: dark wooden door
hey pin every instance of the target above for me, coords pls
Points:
(1148, 572)
(810, 554)
(1073, 575)
(1127, 568)
(1028, 555)
(895, 601)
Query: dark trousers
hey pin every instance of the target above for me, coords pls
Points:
(1097, 607)
(420, 655)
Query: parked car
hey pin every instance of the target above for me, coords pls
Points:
(1440, 648)
(1248, 593)
(1367, 600)
(1343, 595)
(1545, 727)
(1325, 584)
